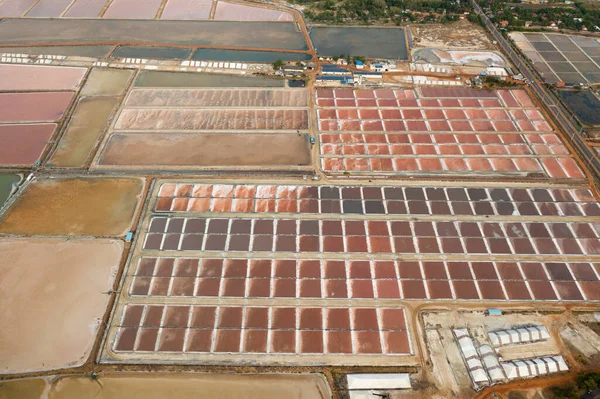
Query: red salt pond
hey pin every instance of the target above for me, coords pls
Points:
(269, 330)
(240, 12)
(133, 9)
(30, 77)
(85, 9)
(34, 107)
(187, 9)
(14, 8)
(49, 8)
(24, 144)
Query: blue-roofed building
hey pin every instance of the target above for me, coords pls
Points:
(329, 69)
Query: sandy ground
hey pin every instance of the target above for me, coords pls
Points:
(53, 293)
(205, 150)
(461, 35)
(74, 206)
(459, 57)
(173, 386)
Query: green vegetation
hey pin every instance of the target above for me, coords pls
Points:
(585, 382)
(495, 81)
(384, 11)
(278, 64)
(588, 381)
(476, 19)
(520, 16)
(568, 391)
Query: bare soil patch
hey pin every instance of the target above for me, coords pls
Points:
(461, 35)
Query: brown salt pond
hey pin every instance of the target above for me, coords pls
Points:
(32, 77)
(34, 107)
(86, 126)
(53, 295)
(74, 206)
(24, 144)
(174, 386)
(192, 386)
(32, 388)
(106, 82)
(205, 150)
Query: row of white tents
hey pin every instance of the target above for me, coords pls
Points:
(484, 367)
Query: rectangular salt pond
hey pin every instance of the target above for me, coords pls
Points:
(14, 8)
(273, 35)
(86, 126)
(74, 207)
(584, 104)
(24, 144)
(49, 8)
(34, 107)
(387, 43)
(85, 9)
(8, 185)
(146, 9)
(247, 56)
(190, 150)
(187, 9)
(29, 77)
(182, 79)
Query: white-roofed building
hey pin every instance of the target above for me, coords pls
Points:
(532, 369)
(518, 335)
(504, 337)
(479, 376)
(472, 358)
(524, 335)
(510, 370)
(562, 365)
(541, 366)
(491, 363)
(494, 339)
(527, 368)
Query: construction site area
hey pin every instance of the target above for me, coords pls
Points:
(204, 199)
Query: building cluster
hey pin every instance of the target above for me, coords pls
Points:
(336, 75)
(485, 365)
